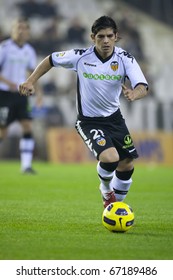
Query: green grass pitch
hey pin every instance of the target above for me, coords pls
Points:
(56, 215)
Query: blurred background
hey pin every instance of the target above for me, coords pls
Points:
(146, 29)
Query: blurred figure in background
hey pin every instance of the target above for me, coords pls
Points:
(32, 8)
(76, 32)
(17, 60)
(2, 35)
(49, 40)
(131, 37)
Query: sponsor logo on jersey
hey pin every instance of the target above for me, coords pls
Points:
(80, 51)
(114, 65)
(101, 141)
(128, 55)
(102, 76)
(61, 54)
(89, 64)
(128, 142)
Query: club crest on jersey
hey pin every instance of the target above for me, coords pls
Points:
(114, 65)
(101, 141)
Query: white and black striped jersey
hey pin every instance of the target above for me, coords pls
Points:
(15, 61)
(99, 80)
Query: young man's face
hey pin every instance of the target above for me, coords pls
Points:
(104, 41)
(20, 32)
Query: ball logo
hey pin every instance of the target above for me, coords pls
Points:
(121, 212)
(101, 142)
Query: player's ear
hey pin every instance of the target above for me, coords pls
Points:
(93, 37)
(117, 37)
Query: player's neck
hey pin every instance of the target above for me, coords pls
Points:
(103, 56)
(19, 43)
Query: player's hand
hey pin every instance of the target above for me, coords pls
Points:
(26, 89)
(128, 93)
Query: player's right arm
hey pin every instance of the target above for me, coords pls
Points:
(3, 53)
(12, 86)
(28, 87)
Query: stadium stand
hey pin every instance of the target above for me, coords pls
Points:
(151, 45)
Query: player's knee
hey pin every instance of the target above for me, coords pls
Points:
(26, 126)
(109, 155)
(109, 166)
(3, 133)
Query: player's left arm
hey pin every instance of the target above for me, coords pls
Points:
(139, 84)
(138, 92)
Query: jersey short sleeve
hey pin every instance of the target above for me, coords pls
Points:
(132, 69)
(67, 59)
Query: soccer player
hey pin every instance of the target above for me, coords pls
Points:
(17, 61)
(101, 72)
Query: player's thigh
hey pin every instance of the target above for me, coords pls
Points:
(95, 138)
(5, 109)
(24, 113)
(23, 109)
(4, 116)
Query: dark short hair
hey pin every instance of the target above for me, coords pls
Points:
(21, 20)
(102, 23)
